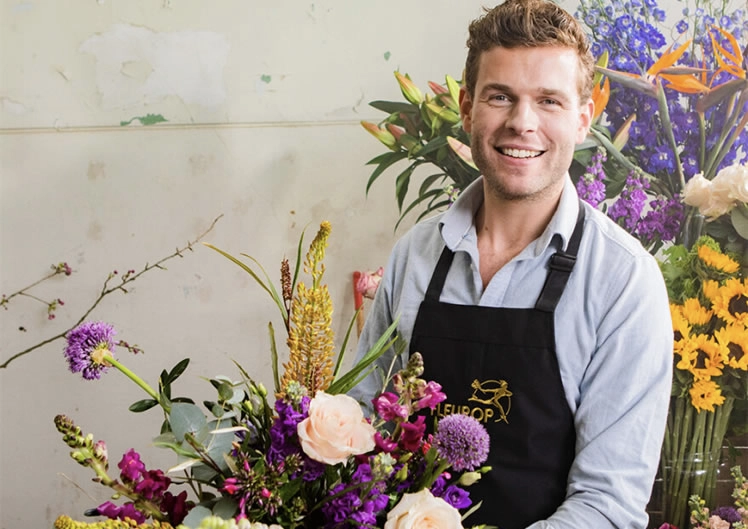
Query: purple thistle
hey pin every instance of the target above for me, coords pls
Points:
(86, 345)
(462, 440)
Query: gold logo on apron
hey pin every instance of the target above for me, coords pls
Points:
(495, 397)
(493, 393)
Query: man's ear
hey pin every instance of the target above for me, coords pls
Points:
(586, 111)
(466, 106)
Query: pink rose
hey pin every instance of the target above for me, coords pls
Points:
(335, 429)
(422, 510)
(368, 282)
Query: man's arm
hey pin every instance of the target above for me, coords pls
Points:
(624, 397)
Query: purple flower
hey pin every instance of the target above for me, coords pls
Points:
(413, 434)
(431, 396)
(728, 514)
(388, 407)
(127, 510)
(462, 440)
(130, 466)
(87, 346)
(457, 497)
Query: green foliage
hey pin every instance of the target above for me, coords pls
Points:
(416, 131)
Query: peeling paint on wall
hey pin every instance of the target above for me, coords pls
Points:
(136, 65)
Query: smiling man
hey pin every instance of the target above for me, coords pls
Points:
(536, 313)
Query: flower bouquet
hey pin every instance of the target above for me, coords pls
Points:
(302, 457)
(726, 516)
(668, 115)
(710, 319)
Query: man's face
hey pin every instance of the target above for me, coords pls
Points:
(525, 119)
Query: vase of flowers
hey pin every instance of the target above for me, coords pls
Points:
(300, 457)
(710, 370)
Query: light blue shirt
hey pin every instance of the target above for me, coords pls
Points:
(614, 343)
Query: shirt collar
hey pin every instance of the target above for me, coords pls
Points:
(457, 223)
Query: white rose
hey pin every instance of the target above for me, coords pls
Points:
(698, 191)
(736, 180)
(335, 429)
(423, 511)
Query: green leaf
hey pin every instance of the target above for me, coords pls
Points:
(225, 508)
(393, 157)
(402, 182)
(739, 218)
(148, 119)
(196, 515)
(186, 418)
(395, 107)
(178, 369)
(143, 405)
(435, 144)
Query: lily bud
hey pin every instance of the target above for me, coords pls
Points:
(410, 90)
(382, 135)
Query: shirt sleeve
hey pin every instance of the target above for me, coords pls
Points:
(622, 411)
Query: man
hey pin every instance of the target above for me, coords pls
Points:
(537, 314)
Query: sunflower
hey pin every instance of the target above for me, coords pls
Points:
(702, 357)
(695, 313)
(734, 339)
(717, 260)
(731, 302)
(705, 395)
(710, 288)
(681, 327)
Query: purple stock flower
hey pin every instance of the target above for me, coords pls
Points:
(628, 208)
(388, 407)
(120, 512)
(87, 345)
(432, 395)
(130, 466)
(462, 440)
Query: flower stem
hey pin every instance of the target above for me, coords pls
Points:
(135, 378)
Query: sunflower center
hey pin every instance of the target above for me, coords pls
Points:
(700, 361)
(736, 352)
(738, 304)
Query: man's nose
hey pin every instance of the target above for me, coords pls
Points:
(523, 117)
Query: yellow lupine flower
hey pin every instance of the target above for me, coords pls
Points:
(702, 356)
(734, 338)
(705, 395)
(731, 302)
(717, 260)
(695, 313)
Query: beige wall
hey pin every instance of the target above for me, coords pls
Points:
(263, 101)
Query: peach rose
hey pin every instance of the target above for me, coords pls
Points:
(335, 429)
(712, 198)
(423, 510)
(698, 191)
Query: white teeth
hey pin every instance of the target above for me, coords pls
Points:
(520, 153)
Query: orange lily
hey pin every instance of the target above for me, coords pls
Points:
(600, 96)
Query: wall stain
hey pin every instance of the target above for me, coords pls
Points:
(96, 170)
(95, 231)
(200, 163)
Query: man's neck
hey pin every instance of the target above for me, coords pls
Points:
(505, 228)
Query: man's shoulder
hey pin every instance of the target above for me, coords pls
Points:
(602, 230)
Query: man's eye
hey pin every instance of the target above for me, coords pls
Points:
(498, 97)
(550, 102)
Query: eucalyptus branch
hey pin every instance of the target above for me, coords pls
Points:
(106, 290)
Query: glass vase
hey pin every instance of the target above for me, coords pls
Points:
(691, 459)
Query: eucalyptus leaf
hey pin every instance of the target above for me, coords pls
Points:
(196, 515)
(186, 418)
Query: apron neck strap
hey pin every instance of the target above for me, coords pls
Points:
(561, 265)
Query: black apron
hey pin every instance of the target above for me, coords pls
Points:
(499, 365)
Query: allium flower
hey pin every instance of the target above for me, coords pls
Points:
(463, 441)
(87, 346)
